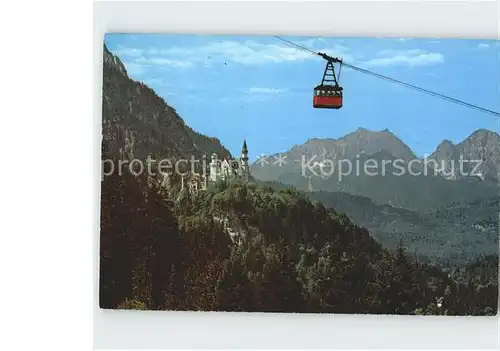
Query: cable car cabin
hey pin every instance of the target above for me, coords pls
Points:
(327, 96)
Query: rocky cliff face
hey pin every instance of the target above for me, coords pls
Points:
(480, 153)
(358, 143)
(137, 123)
(316, 165)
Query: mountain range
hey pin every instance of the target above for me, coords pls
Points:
(387, 171)
(450, 235)
(483, 145)
(440, 213)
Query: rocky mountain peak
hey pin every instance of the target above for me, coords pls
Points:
(482, 138)
(113, 62)
(139, 123)
(370, 142)
(446, 143)
(481, 146)
(445, 149)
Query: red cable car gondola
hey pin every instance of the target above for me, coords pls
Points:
(329, 93)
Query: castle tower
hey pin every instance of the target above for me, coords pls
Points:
(244, 168)
(214, 168)
(204, 184)
(226, 170)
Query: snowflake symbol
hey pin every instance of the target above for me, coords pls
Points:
(262, 160)
(280, 160)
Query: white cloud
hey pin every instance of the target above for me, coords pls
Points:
(134, 69)
(313, 42)
(391, 52)
(163, 62)
(482, 46)
(256, 90)
(253, 53)
(132, 52)
(153, 51)
(249, 53)
(159, 82)
(247, 98)
(256, 95)
(244, 53)
(168, 93)
(410, 58)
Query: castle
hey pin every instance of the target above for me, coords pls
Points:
(226, 170)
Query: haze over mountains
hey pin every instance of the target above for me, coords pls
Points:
(309, 167)
(438, 210)
(452, 234)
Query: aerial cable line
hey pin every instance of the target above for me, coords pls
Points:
(426, 91)
(392, 80)
(296, 45)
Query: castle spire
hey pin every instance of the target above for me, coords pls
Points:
(244, 149)
(244, 169)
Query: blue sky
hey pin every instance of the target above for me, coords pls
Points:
(260, 88)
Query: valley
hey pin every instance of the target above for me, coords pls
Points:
(439, 216)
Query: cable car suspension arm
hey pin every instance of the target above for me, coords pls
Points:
(392, 80)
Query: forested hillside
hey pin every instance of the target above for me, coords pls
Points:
(246, 247)
(456, 234)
